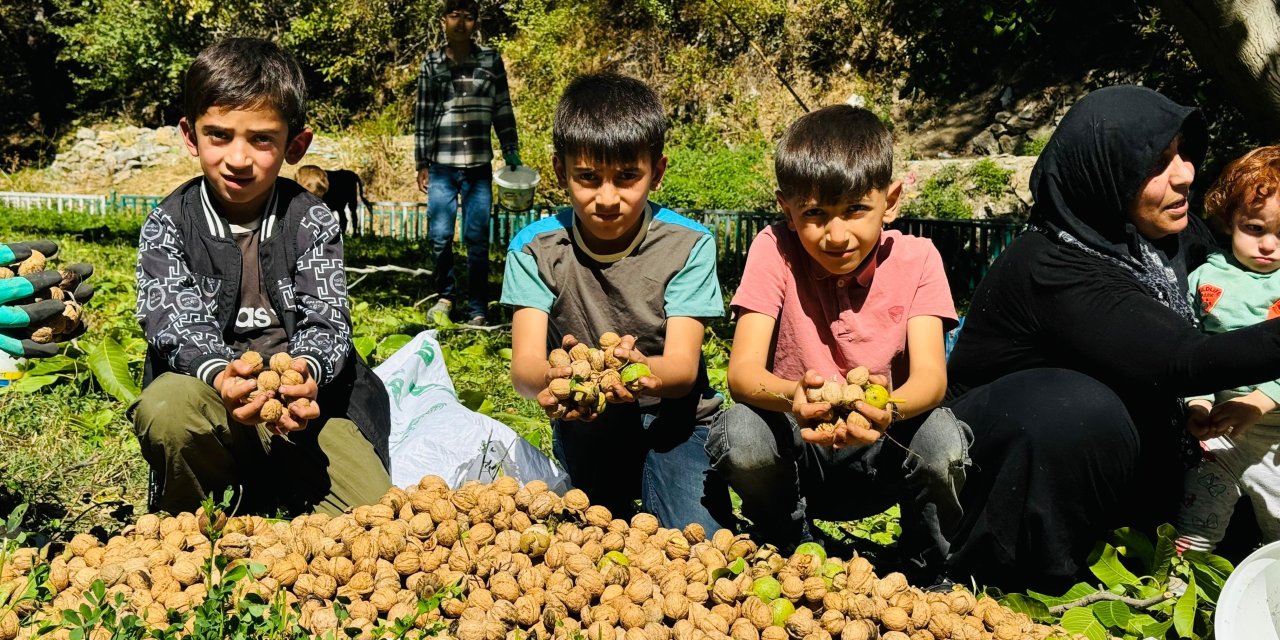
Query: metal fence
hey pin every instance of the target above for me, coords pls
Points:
(967, 246)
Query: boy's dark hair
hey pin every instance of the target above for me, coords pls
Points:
(609, 118)
(834, 153)
(461, 5)
(246, 73)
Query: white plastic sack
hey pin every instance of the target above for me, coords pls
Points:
(434, 434)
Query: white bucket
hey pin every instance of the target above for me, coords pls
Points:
(1249, 606)
(8, 370)
(515, 187)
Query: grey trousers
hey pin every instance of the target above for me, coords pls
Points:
(187, 438)
(784, 481)
(1233, 466)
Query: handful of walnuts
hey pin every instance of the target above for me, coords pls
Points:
(59, 326)
(594, 373)
(843, 396)
(279, 372)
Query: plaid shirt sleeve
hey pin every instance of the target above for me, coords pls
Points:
(504, 117)
(424, 116)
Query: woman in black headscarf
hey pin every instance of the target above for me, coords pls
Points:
(1080, 343)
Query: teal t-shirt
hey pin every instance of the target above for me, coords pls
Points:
(1228, 296)
(668, 271)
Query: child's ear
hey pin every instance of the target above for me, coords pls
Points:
(659, 172)
(558, 165)
(298, 146)
(786, 210)
(892, 201)
(188, 130)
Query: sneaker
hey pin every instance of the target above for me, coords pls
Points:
(442, 306)
(479, 320)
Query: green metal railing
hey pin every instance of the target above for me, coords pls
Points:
(967, 246)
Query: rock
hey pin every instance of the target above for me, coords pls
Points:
(984, 144)
(85, 133)
(1003, 116)
(1009, 144)
(1006, 98)
(857, 101)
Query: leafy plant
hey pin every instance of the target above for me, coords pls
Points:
(989, 178)
(941, 196)
(1146, 590)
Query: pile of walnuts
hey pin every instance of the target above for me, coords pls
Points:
(594, 373)
(59, 326)
(515, 563)
(843, 394)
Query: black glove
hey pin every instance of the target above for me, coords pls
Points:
(34, 317)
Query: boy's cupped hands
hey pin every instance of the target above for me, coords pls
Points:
(236, 383)
(616, 393)
(846, 434)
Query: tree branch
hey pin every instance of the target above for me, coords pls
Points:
(1100, 596)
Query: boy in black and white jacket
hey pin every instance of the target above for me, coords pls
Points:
(241, 260)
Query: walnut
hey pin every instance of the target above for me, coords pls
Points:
(597, 516)
(271, 411)
(800, 623)
(576, 500)
(675, 606)
(891, 584)
(725, 591)
(814, 589)
(253, 359)
(677, 546)
(859, 630)
(646, 522)
(741, 629)
(895, 619)
(757, 612)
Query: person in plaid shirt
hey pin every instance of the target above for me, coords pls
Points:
(462, 91)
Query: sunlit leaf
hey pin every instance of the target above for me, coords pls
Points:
(1133, 544)
(1023, 604)
(1082, 621)
(1112, 613)
(1184, 613)
(110, 366)
(1105, 563)
(1076, 592)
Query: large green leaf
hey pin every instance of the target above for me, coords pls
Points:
(1105, 563)
(32, 384)
(1184, 613)
(1082, 620)
(1112, 613)
(53, 364)
(391, 344)
(1076, 592)
(1166, 551)
(365, 346)
(1210, 572)
(110, 366)
(1022, 604)
(1133, 544)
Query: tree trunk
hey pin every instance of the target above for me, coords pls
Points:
(1239, 42)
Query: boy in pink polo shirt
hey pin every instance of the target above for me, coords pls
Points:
(824, 291)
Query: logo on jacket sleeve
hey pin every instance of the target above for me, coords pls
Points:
(1274, 311)
(1209, 295)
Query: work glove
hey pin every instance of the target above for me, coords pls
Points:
(512, 159)
(39, 307)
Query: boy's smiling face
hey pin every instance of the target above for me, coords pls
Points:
(840, 236)
(241, 151)
(609, 199)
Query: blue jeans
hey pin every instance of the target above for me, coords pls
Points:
(784, 481)
(629, 454)
(474, 187)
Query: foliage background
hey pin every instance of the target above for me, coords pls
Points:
(717, 64)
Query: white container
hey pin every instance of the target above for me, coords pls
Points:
(515, 187)
(8, 369)
(1249, 606)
